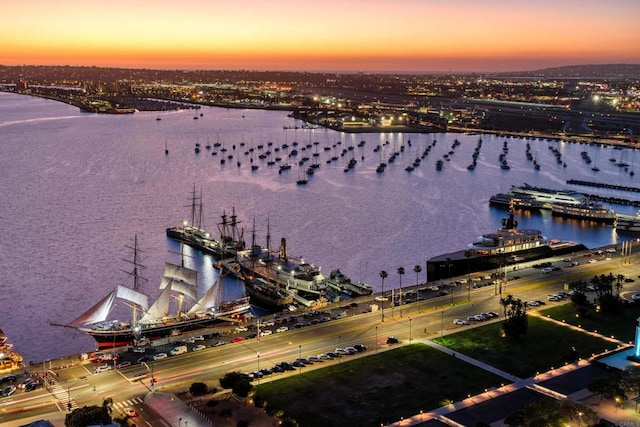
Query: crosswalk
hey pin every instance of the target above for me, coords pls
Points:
(126, 403)
(63, 396)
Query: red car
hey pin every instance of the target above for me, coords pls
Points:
(237, 339)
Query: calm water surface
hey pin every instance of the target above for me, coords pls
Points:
(76, 188)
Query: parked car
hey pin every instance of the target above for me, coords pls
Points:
(459, 322)
(360, 347)
(392, 340)
(8, 379)
(159, 356)
(26, 382)
(241, 329)
(103, 368)
(199, 347)
(9, 390)
(282, 329)
(266, 332)
(237, 339)
(33, 386)
(123, 365)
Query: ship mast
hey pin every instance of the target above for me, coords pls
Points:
(137, 278)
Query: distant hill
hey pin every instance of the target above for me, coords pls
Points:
(613, 71)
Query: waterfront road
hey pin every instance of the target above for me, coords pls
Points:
(429, 318)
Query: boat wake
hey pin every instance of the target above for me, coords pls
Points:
(40, 119)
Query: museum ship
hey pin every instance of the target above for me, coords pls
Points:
(149, 322)
(193, 233)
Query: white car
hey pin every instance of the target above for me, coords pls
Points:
(592, 260)
(282, 329)
(269, 323)
(266, 332)
(199, 338)
(381, 298)
(459, 322)
(159, 356)
(103, 368)
(199, 347)
(241, 329)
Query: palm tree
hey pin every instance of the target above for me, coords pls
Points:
(383, 275)
(417, 269)
(400, 273)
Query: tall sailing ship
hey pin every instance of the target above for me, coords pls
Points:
(155, 321)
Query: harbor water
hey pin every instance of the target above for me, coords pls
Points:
(76, 188)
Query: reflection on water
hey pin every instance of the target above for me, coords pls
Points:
(76, 188)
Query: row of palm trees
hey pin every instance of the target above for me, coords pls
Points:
(383, 274)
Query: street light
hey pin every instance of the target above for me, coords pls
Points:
(376, 339)
(69, 392)
(300, 358)
(153, 380)
(409, 330)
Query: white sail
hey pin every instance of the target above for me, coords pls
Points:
(97, 313)
(184, 289)
(135, 297)
(207, 301)
(182, 279)
(160, 308)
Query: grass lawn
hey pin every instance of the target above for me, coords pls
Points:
(545, 346)
(377, 389)
(623, 326)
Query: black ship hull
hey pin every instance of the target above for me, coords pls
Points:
(446, 266)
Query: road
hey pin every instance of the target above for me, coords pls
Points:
(427, 318)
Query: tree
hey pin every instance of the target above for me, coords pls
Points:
(400, 273)
(630, 380)
(383, 275)
(417, 269)
(238, 382)
(551, 412)
(198, 389)
(90, 415)
(515, 321)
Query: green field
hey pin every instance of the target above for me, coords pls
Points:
(377, 389)
(545, 346)
(622, 326)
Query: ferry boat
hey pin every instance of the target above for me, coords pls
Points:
(149, 322)
(588, 211)
(628, 224)
(506, 246)
(548, 197)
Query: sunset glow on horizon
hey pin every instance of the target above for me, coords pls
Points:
(359, 35)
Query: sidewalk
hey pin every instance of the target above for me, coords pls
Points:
(517, 383)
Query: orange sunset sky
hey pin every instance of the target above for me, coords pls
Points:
(327, 35)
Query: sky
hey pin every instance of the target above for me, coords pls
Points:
(324, 35)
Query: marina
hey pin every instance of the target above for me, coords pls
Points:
(104, 178)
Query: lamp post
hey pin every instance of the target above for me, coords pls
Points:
(409, 330)
(376, 339)
(153, 380)
(69, 393)
(300, 358)
(442, 325)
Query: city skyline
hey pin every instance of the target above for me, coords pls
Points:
(369, 36)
